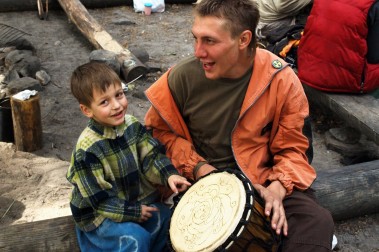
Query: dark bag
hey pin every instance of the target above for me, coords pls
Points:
(373, 34)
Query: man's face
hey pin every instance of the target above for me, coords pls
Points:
(107, 108)
(214, 46)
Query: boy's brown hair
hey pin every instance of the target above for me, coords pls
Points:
(89, 77)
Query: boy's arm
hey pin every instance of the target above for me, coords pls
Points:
(154, 163)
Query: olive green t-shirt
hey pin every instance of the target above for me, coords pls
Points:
(210, 109)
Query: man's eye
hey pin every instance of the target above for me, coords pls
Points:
(105, 102)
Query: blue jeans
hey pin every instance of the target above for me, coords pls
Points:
(150, 235)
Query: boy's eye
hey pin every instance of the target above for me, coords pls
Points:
(120, 95)
(104, 102)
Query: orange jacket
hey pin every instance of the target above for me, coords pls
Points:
(267, 140)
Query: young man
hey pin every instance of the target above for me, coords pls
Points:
(233, 105)
(114, 168)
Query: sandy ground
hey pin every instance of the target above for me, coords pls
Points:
(33, 185)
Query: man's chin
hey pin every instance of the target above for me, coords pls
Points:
(211, 76)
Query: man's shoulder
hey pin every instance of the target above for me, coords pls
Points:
(187, 66)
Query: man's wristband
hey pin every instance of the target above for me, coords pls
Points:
(197, 167)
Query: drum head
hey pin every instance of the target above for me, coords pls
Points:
(208, 213)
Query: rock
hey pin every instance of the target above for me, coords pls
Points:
(12, 75)
(24, 83)
(108, 57)
(43, 77)
(345, 134)
(140, 54)
(15, 56)
(28, 67)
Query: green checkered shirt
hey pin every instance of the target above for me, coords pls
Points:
(113, 171)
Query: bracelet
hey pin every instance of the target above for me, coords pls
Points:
(197, 167)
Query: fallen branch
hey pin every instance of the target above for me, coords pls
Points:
(131, 66)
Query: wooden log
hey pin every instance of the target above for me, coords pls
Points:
(131, 66)
(31, 5)
(349, 191)
(27, 125)
(56, 234)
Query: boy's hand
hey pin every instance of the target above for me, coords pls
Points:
(146, 212)
(178, 183)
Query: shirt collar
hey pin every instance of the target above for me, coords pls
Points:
(106, 131)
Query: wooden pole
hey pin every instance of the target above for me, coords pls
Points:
(131, 66)
(27, 125)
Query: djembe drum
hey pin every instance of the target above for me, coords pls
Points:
(221, 212)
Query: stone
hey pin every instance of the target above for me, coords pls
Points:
(43, 77)
(107, 57)
(24, 83)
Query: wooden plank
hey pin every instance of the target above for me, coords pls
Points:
(360, 111)
(349, 191)
(56, 234)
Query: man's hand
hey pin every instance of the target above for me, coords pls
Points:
(204, 170)
(178, 183)
(273, 196)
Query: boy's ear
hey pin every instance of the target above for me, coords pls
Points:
(86, 111)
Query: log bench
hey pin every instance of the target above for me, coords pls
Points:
(348, 192)
(361, 111)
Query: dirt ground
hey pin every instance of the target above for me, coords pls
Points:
(33, 185)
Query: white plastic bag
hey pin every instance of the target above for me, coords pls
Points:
(158, 5)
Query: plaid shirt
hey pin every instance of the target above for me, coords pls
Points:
(113, 171)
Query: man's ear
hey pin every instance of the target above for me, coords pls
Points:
(86, 111)
(245, 39)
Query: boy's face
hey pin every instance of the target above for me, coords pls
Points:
(107, 108)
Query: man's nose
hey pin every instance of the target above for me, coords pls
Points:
(199, 50)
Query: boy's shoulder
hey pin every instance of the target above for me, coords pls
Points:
(87, 138)
(130, 119)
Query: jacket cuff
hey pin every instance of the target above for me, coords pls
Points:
(284, 180)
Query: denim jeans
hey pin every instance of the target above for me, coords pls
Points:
(150, 235)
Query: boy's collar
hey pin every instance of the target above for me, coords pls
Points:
(106, 131)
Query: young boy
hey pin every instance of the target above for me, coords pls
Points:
(114, 168)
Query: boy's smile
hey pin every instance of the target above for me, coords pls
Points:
(107, 108)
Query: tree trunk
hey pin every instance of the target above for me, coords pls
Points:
(27, 124)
